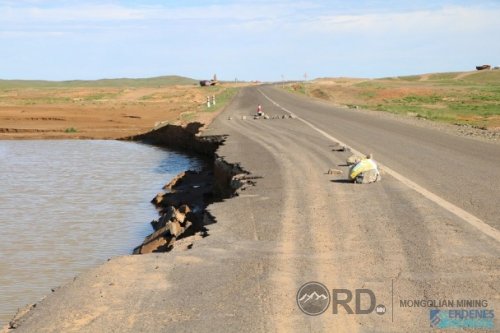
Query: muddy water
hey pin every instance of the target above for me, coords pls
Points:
(68, 205)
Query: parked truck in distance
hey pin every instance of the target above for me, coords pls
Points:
(212, 82)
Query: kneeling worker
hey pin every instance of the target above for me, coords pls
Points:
(365, 171)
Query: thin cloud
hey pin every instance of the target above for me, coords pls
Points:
(116, 12)
(308, 16)
(456, 18)
(73, 13)
(31, 33)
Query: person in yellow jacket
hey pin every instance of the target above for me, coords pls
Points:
(365, 171)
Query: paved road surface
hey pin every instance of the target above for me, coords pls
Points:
(299, 224)
(463, 171)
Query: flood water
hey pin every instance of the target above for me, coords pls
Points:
(66, 206)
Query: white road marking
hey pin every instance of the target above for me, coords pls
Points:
(464, 215)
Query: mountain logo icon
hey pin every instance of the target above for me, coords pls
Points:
(313, 298)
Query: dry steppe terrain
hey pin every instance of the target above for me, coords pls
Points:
(106, 109)
(462, 98)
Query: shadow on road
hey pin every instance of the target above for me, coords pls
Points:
(342, 181)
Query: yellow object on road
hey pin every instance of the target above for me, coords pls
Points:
(362, 166)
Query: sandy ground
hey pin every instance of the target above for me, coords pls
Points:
(99, 113)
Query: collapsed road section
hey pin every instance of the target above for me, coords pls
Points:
(182, 205)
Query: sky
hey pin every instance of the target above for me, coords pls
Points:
(245, 40)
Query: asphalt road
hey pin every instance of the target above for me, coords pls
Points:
(464, 171)
(299, 224)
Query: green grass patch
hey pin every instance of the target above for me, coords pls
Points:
(299, 88)
(367, 94)
(474, 97)
(468, 109)
(419, 99)
(70, 130)
(454, 97)
(485, 96)
(370, 84)
(443, 76)
(222, 97)
(419, 111)
(484, 77)
(160, 81)
(410, 78)
(100, 96)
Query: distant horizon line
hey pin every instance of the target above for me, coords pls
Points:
(197, 79)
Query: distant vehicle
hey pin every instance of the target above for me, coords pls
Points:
(212, 82)
(204, 83)
(483, 67)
